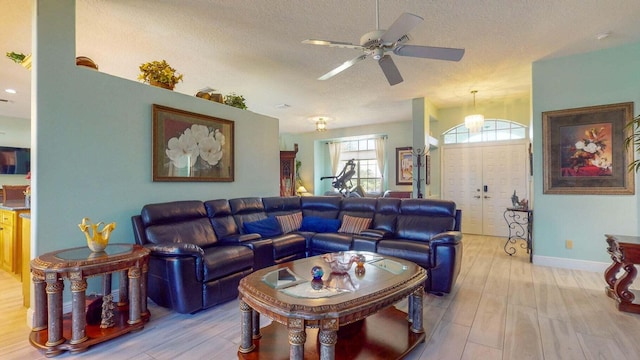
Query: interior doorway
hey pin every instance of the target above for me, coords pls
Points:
(481, 178)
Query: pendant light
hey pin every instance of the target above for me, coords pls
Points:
(474, 122)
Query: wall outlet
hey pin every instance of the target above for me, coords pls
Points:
(569, 244)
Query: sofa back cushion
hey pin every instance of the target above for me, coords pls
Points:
(281, 205)
(219, 213)
(358, 207)
(178, 222)
(248, 209)
(321, 206)
(421, 219)
(387, 210)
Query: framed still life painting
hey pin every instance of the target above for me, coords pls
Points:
(404, 164)
(191, 147)
(584, 150)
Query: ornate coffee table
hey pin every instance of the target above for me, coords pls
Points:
(286, 294)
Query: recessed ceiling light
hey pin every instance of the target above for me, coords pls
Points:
(603, 35)
(10, 91)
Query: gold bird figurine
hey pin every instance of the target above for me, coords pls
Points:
(97, 239)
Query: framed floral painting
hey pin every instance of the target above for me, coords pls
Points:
(404, 165)
(584, 151)
(191, 147)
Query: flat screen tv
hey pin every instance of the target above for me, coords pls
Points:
(14, 160)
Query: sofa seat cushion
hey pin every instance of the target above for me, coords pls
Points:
(220, 261)
(330, 242)
(288, 244)
(414, 251)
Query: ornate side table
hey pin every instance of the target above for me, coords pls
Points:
(54, 331)
(520, 223)
(625, 253)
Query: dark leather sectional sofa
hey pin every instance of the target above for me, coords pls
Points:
(200, 249)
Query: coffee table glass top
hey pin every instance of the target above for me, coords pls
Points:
(299, 282)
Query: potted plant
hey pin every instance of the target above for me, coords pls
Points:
(235, 100)
(159, 73)
(20, 58)
(634, 140)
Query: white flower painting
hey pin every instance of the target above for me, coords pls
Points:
(191, 147)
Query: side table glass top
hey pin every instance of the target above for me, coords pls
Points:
(84, 253)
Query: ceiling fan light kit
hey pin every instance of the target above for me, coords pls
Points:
(474, 122)
(377, 42)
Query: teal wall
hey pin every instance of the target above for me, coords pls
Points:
(597, 78)
(91, 136)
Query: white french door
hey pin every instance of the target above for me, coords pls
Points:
(481, 179)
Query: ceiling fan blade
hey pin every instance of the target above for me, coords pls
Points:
(403, 24)
(390, 70)
(344, 66)
(332, 44)
(429, 52)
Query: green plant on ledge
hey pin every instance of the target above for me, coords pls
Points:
(634, 140)
(18, 58)
(159, 73)
(235, 100)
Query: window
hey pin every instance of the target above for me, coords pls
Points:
(364, 154)
(492, 130)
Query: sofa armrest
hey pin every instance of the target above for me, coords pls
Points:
(446, 238)
(239, 238)
(180, 250)
(378, 234)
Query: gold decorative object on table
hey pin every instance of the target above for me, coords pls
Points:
(97, 239)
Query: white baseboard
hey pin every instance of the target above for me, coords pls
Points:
(573, 264)
(66, 308)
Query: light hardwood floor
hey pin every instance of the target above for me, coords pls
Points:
(502, 307)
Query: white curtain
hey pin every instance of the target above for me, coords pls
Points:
(380, 148)
(334, 156)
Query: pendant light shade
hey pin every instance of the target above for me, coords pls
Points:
(474, 122)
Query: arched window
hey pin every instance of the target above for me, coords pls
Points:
(492, 130)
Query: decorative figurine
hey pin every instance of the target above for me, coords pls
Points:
(97, 240)
(317, 272)
(108, 317)
(317, 283)
(514, 200)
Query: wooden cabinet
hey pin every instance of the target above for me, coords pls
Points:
(25, 256)
(10, 244)
(288, 172)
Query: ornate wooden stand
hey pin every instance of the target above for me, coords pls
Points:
(625, 252)
(54, 331)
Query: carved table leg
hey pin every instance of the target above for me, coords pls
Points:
(106, 284)
(40, 299)
(256, 324)
(297, 338)
(78, 312)
(134, 296)
(54, 310)
(144, 311)
(610, 278)
(328, 337)
(123, 294)
(416, 313)
(625, 297)
(246, 345)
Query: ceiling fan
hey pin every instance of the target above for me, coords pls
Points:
(377, 42)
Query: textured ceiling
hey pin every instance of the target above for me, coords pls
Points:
(253, 47)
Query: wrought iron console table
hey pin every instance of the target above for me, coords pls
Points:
(520, 223)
